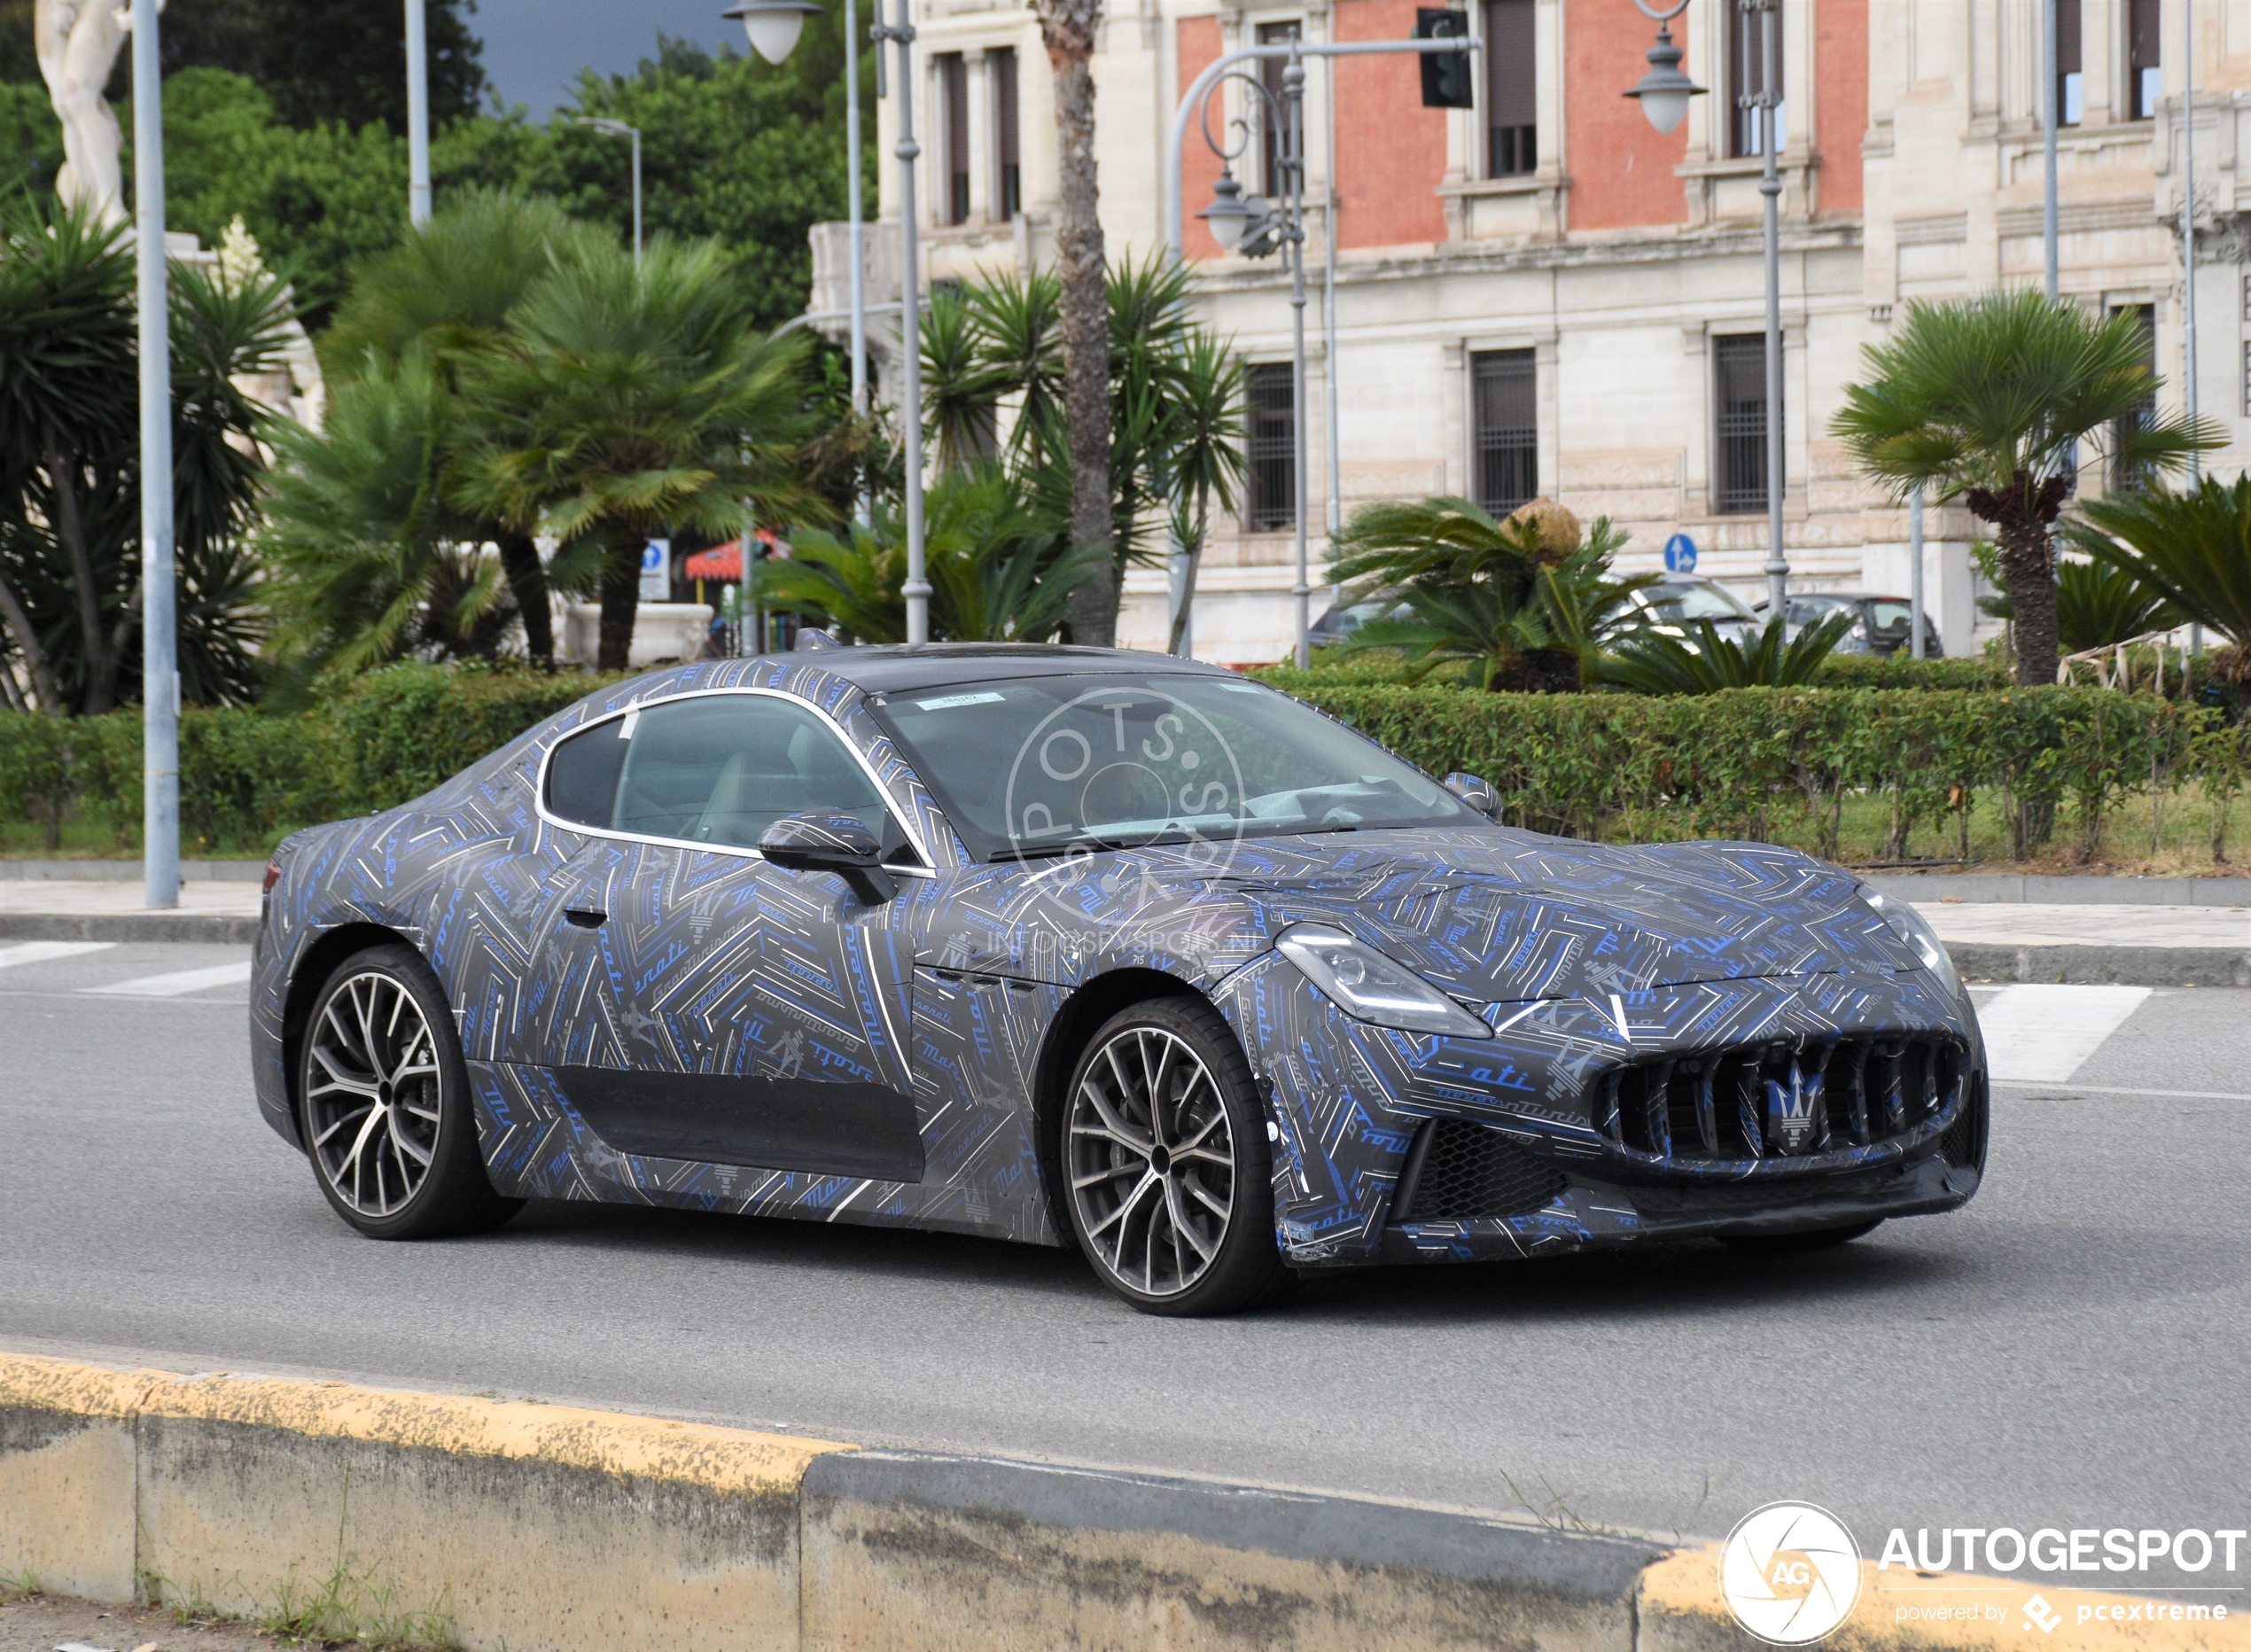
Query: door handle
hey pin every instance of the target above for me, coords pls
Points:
(584, 919)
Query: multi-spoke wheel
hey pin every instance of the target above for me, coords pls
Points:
(1165, 1164)
(385, 1105)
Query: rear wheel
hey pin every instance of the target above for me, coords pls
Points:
(385, 1102)
(1164, 1163)
(1810, 1239)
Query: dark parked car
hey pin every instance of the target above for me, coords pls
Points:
(1091, 948)
(1881, 625)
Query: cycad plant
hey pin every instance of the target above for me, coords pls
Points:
(1650, 662)
(2192, 547)
(1996, 401)
(1524, 602)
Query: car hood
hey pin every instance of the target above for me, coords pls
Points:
(1500, 915)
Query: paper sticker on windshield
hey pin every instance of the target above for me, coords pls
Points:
(946, 703)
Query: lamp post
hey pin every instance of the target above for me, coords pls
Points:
(160, 642)
(917, 586)
(418, 116)
(1257, 228)
(618, 129)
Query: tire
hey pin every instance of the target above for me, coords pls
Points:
(1171, 1200)
(383, 1100)
(1810, 1239)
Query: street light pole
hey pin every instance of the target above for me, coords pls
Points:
(1293, 103)
(160, 643)
(618, 129)
(916, 587)
(2048, 118)
(418, 116)
(1767, 101)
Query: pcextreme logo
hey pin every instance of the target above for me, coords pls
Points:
(1790, 1573)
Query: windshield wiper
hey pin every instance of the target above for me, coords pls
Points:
(1036, 852)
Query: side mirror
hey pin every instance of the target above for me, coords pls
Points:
(826, 842)
(1476, 791)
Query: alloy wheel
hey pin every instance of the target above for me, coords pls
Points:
(371, 1099)
(1151, 1161)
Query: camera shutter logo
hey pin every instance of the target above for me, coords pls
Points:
(1790, 1573)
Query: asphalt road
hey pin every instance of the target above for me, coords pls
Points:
(2071, 1350)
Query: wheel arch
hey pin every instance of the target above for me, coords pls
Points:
(317, 963)
(1066, 1037)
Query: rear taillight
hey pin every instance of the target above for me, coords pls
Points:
(273, 876)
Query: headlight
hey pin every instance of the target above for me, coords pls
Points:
(1905, 922)
(1364, 982)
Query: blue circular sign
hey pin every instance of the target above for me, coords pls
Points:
(1680, 554)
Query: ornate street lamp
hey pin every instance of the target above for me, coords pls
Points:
(1664, 91)
(773, 25)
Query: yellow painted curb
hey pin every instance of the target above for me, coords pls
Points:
(74, 1389)
(1908, 1610)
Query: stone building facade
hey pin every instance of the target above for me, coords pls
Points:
(1541, 295)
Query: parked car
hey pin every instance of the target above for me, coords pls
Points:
(1881, 625)
(1338, 622)
(1673, 605)
(1086, 948)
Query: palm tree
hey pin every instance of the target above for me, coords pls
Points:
(1987, 400)
(1524, 602)
(634, 399)
(2192, 548)
(999, 568)
(448, 288)
(1070, 29)
(1650, 662)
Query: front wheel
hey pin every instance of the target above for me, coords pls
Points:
(1165, 1166)
(1808, 1239)
(385, 1102)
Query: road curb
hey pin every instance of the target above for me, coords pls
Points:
(212, 928)
(2096, 965)
(515, 1523)
(2047, 889)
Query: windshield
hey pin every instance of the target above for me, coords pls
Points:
(1048, 765)
(1684, 603)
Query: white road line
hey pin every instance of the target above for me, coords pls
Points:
(2077, 1090)
(177, 985)
(40, 951)
(2044, 1035)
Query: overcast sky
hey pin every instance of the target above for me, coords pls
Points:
(533, 48)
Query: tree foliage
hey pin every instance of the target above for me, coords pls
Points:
(2192, 547)
(1650, 662)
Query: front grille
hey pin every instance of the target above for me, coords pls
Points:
(1768, 1101)
(1458, 1172)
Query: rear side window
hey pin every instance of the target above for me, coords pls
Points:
(582, 775)
(716, 769)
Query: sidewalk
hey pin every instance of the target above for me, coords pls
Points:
(2116, 936)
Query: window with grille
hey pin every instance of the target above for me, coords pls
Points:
(2145, 52)
(1009, 196)
(1271, 447)
(2071, 82)
(954, 92)
(1739, 396)
(1504, 387)
(1272, 184)
(1512, 132)
(1747, 77)
(2126, 478)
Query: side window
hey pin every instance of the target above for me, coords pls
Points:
(583, 774)
(722, 769)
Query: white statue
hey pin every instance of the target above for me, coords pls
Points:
(77, 40)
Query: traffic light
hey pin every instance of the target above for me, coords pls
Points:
(1445, 74)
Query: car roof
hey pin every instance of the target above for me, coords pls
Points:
(893, 668)
(1840, 596)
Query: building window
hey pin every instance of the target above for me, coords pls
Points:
(1512, 83)
(2071, 82)
(1505, 390)
(1739, 398)
(1271, 182)
(2145, 51)
(2125, 478)
(954, 93)
(1002, 64)
(1271, 447)
(1745, 78)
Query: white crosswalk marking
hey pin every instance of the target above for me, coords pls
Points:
(41, 951)
(177, 985)
(2044, 1035)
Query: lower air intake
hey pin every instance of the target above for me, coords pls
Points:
(1459, 1171)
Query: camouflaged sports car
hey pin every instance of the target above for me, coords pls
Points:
(1083, 947)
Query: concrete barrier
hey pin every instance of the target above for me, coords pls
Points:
(345, 1510)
